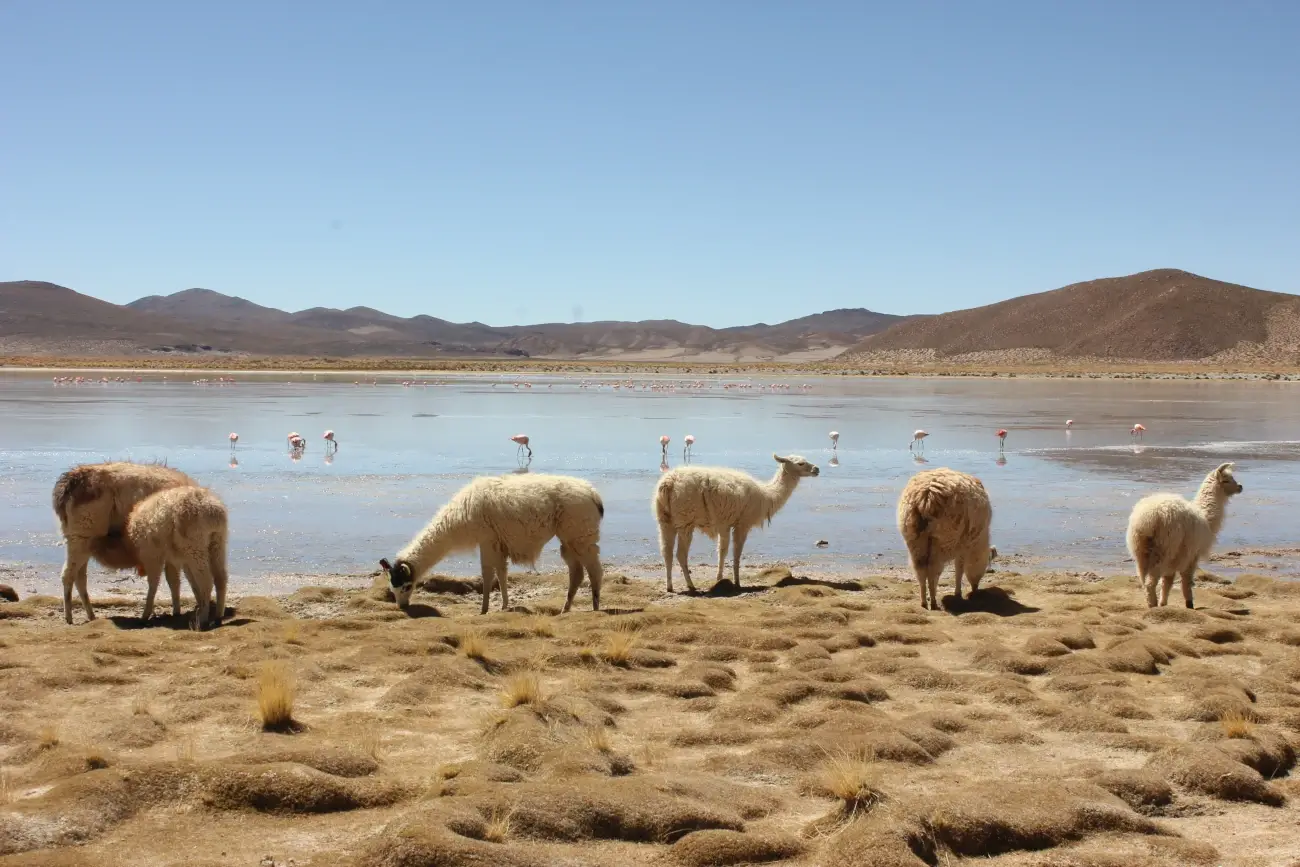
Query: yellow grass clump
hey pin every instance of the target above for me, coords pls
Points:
(49, 737)
(618, 646)
(497, 828)
(853, 781)
(472, 645)
(520, 689)
(1236, 724)
(275, 695)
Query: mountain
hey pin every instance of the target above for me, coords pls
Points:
(1163, 315)
(42, 318)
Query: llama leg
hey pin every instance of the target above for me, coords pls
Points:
(1149, 583)
(201, 585)
(487, 569)
(932, 578)
(83, 592)
(961, 570)
(503, 570)
(595, 573)
(684, 554)
(75, 559)
(1187, 577)
(1166, 584)
(174, 585)
(739, 545)
(153, 576)
(724, 541)
(667, 535)
(570, 558)
(220, 576)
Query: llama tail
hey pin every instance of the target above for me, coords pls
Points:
(72, 487)
(600, 504)
(663, 497)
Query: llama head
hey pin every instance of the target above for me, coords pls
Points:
(797, 465)
(1228, 484)
(976, 566)
(401, 580)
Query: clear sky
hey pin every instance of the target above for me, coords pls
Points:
(715, 161)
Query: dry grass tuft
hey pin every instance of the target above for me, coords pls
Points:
(497, 827)
(275, 695)
(853, 781)
(49, 737)
(618, 646)
(542, 627)
(8, 793)
(522, 689)
(597, 739)
(472, 645)
(1236, 724)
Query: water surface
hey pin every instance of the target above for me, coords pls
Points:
(1060, 498)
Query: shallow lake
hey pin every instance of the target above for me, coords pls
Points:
(1061, 499)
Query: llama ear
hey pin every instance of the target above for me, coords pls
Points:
(383, 562)
(1224, 468)
(993, 553)
(779, 459)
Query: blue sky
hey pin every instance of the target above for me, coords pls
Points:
(720, 162)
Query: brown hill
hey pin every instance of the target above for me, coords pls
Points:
(1164, 315)
(42, 318)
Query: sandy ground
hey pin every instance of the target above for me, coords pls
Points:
(1051, 720)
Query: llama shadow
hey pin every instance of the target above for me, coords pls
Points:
(620, 612)
(792, 581)
(418, 610)
(726, 587)
(182, 622)
(990, 600)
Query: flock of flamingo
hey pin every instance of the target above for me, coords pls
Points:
(298, 443)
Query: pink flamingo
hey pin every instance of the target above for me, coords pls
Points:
(663, 445)
(296, 442)
(1069, 423)
(690, 441)
(234, 439)
(329, 438)
(1002, 439)
(835, 440)
(522, 440)
(1137, 431)
(918, 437)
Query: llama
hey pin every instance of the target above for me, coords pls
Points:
(721, 503)
(944, 516)
(92, 502)
(182, 528)
(1168, 536)
(509, 519)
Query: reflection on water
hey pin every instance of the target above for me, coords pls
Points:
(1065, 496)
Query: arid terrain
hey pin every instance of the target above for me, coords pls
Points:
(1052, 720)
(1145, 323)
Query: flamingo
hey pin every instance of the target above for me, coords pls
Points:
(690, 441)
(1137, 431)
(1069, 423)
(329, 439)
(234, 439)
(522, 440)
(296, 442)
(835, 440)
(1002, 439)
(918, 437)
(663, 445)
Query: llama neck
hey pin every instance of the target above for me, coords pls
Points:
(779, 490)
(1212, 504)
(434, 543)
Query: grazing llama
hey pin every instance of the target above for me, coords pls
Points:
(183, 528)
(1168, 536)
(509, 519)
(92, 502)
(944, 516)
(724, 504)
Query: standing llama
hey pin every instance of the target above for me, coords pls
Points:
(1168, 536)
(944, 517)
(92, 502)
(721, 503)
(509, 519)
(183, 528)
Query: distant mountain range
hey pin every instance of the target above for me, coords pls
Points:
(1162, 315)
(39, 318)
